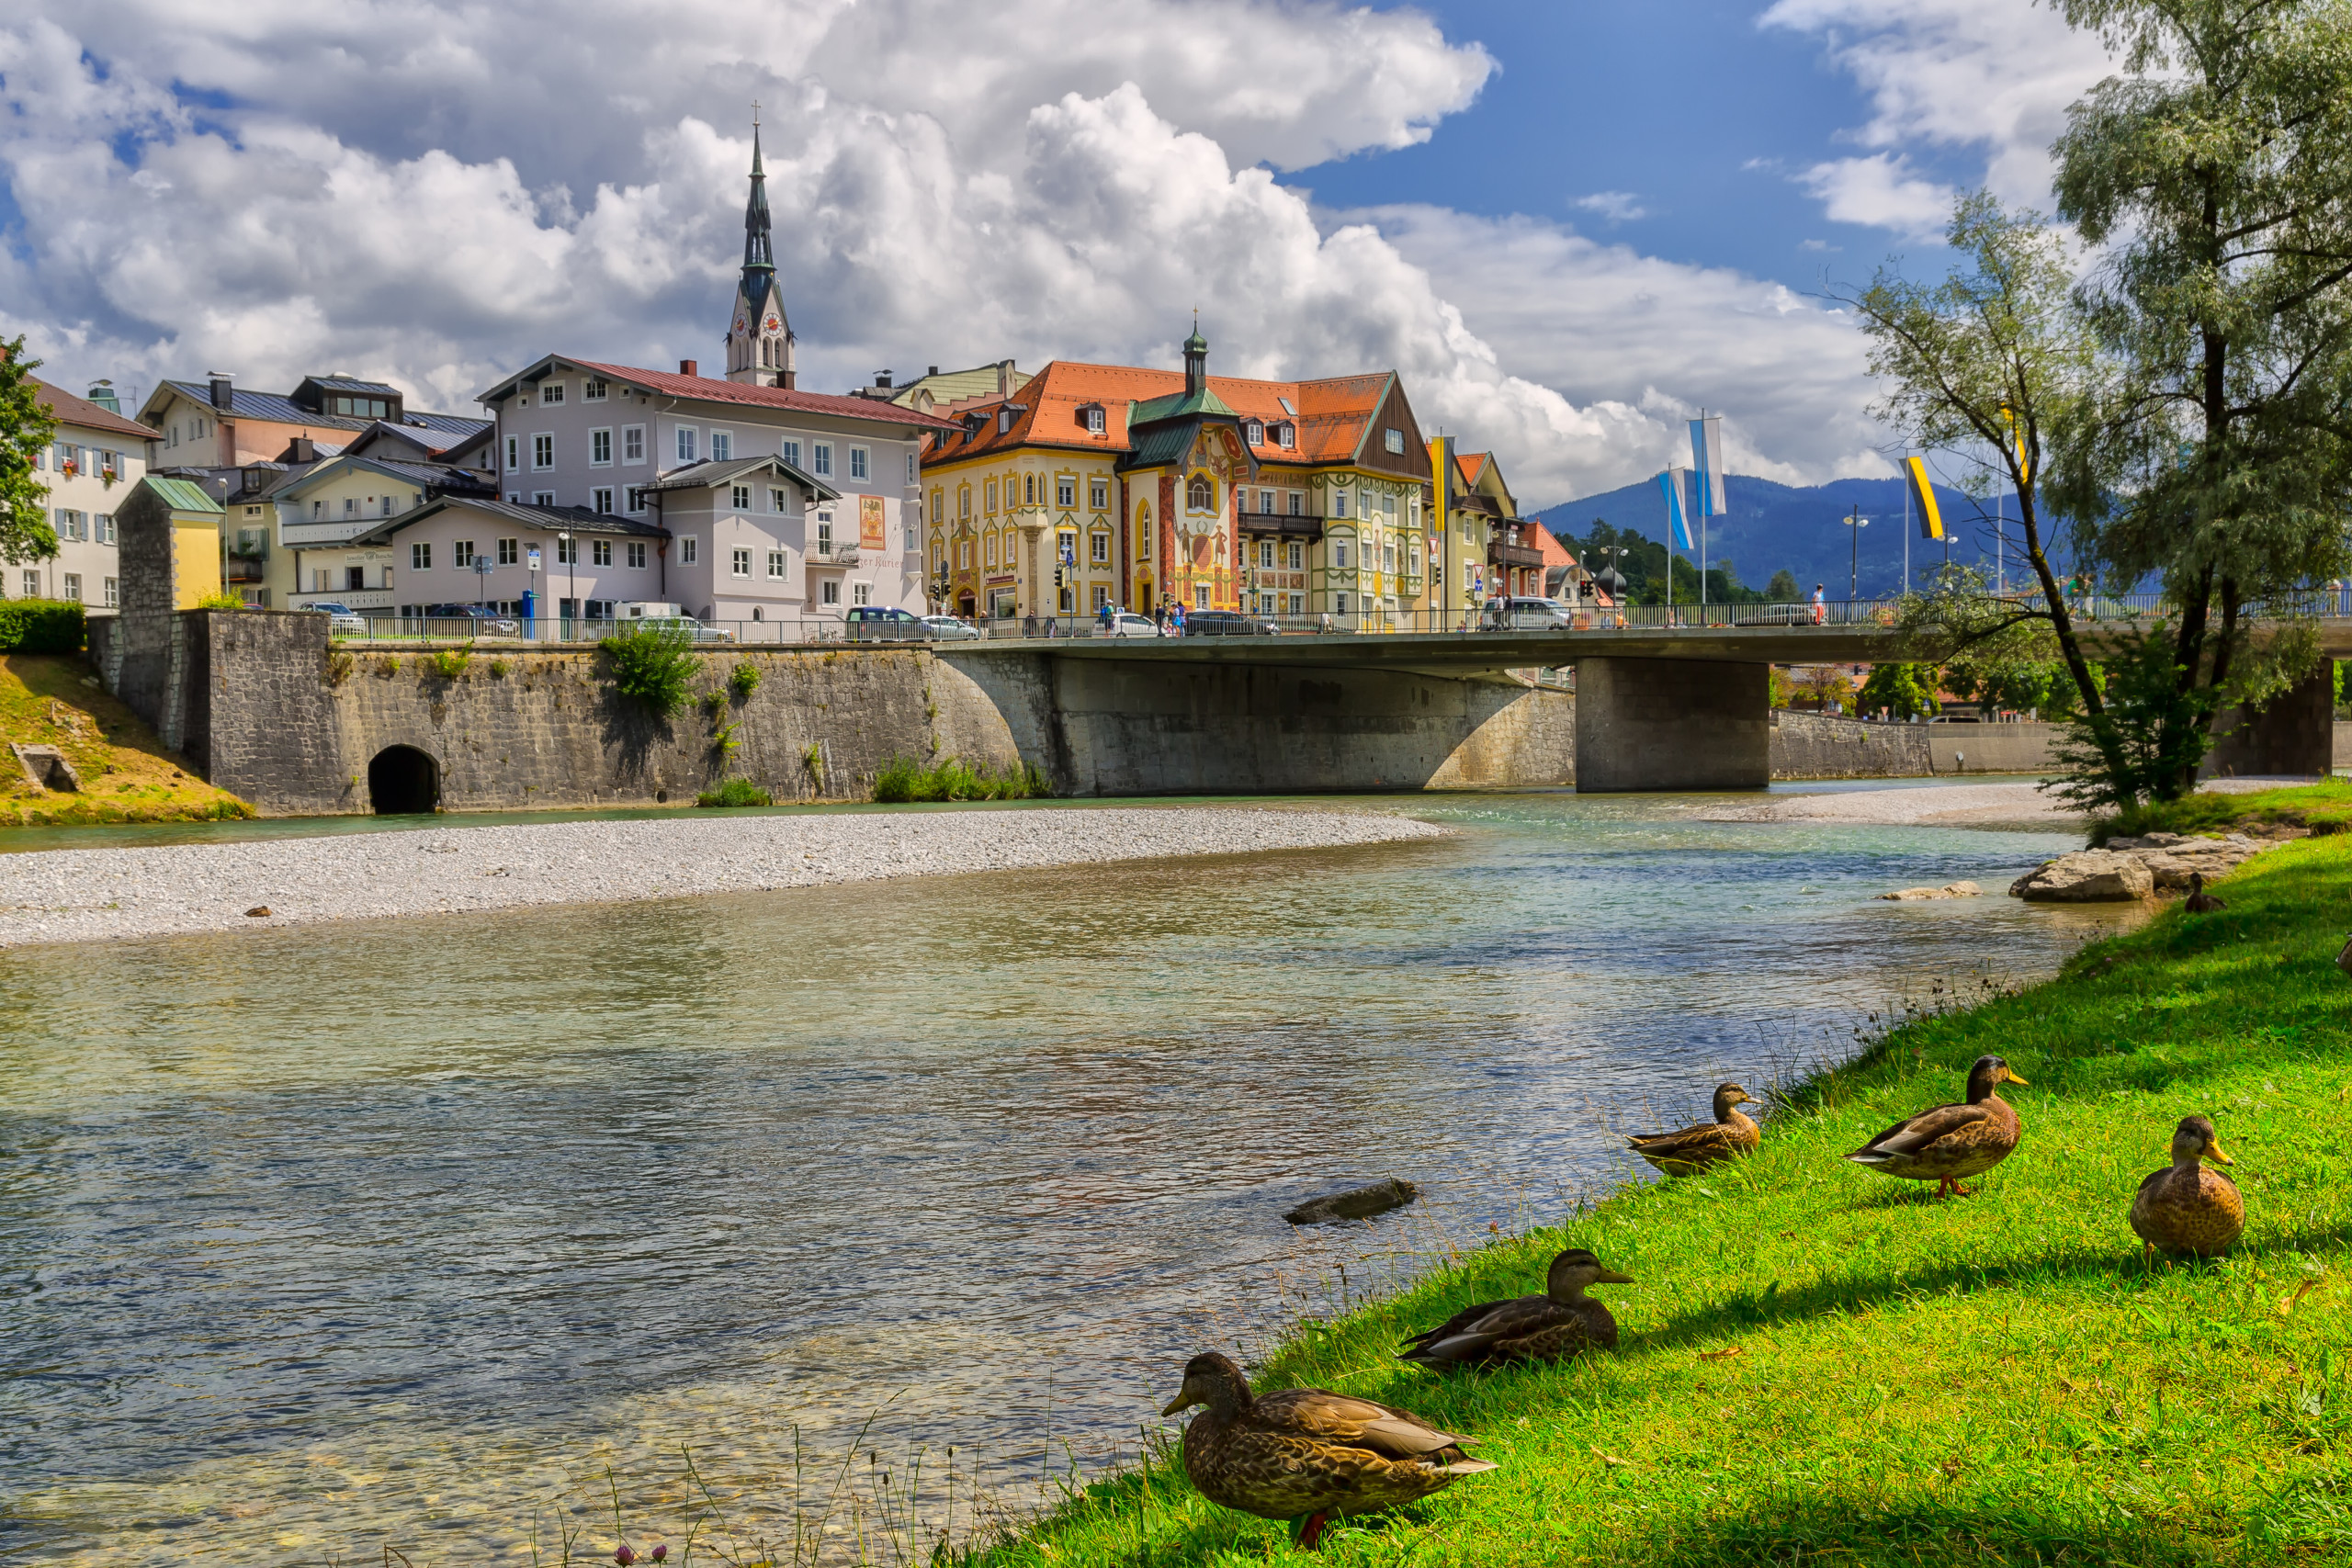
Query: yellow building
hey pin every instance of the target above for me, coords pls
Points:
(170, 533)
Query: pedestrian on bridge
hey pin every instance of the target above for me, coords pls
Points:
(1820, 607)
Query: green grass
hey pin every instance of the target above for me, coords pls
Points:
(2324, 807)
(48, 699)
(1824, 1365)
(735, 791)
(907, 780)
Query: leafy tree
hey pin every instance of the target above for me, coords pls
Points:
(2218, 167)
(26, 427)
(1783, 588)
(2162, 721)
(1908, 691)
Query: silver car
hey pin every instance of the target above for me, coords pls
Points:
(947, 628)
(1528, 615)
(1126, 623)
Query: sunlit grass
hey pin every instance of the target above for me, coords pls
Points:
(1825, 1364)
(2324, 807)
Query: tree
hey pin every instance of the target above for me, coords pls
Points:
(1907, 691)
(26, 428)
(2218, 166)
(1783, 588)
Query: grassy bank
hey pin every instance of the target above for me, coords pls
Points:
(1824, 1365)
(2324, 807)
(127, 776)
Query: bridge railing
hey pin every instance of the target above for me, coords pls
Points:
(1524, 618)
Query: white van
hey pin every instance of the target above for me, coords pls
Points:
(649, 610)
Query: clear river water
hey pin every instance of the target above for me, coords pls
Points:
(436, 1233)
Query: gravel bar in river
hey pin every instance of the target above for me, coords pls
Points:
(54, 896)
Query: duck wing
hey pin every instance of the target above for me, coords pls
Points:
(1507, 1321)
(1696, 1130)
(1461, 1321)
(1914, 1134)
(1359, 1423)
(1703, 1140)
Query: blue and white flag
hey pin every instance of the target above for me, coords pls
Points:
(1678, 526)
(1707, 465)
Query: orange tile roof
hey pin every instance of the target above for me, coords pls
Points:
(710, 388)
(1332, 417)
(1472, 465)
(67, 409)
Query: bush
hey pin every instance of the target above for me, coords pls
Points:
(40, 626)
(449, 662)
(221, 601)
(906, 780)
(745, 680)
(1908, 691)
(653, 665)
(735, 791)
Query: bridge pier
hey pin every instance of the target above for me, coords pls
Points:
(1672, 724)
(2294, 732)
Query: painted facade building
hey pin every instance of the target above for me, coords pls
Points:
(95, 453)
(1097, 485)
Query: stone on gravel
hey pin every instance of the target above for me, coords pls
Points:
(2086, 877)
(1355, 1203)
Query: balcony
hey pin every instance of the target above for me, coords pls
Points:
(1500, 554)
(832, 555)
(1305, 526)
(243, 569)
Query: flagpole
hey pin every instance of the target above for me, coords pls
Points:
(1906, 534)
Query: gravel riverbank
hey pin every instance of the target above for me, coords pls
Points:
(57, 895)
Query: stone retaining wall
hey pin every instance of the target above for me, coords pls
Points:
(1817, 746)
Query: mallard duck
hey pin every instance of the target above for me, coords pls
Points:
(2186, 1207)
(1559, 1324)
(1308, 1454)
(2199, 901)
(1948, 1142)
(1702, 1144)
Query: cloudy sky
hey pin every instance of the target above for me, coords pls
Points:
(1567, 223)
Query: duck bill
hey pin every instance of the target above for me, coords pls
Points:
(2212, 1151)
(1184, 1400)
(1611, 1277)
(2009, 1076)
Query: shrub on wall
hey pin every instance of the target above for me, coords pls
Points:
(653, 665)
(40, 626)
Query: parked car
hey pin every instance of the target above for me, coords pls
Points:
(948, 628)
(483, 623)
(699, 631)
(1228, 623)
(1773, 616)
(1126, 623)
(1527, 616)
(876, 623)
(343, 622)
(329, 608)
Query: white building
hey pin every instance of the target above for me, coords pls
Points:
(89, 466)
(832, 520)
(518, 560)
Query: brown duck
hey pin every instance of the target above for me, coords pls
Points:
(1703, 1143)
(1307, 1454)
(2199, 901)
(1561, 1323)
(1946, 1142)
(2186, 1208)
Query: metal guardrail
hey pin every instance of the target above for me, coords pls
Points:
(1831, 614)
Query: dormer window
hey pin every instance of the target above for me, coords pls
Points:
(1254, 432)
(591, 392)
(550, 394)
(1003, 421)
(1287, 435)
(1092, 420)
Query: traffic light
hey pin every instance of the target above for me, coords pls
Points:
(1058, 577)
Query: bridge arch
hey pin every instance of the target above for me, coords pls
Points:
(403, 782)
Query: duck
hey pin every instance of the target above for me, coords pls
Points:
(1703, 1143)
(2199, 901)
(1946, 1142)
(2186, 1207)
(1561, 1323)
(1307, 1454)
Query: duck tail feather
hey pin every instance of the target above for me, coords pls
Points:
(1469, 1467)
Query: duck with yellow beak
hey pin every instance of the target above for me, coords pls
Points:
(1307, 1454)
(1945, 1143)
(2188, 1209)
(1561, 1323)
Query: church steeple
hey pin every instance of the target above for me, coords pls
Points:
(760, 342)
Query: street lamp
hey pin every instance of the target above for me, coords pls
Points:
(1855, 523)
(571, 559)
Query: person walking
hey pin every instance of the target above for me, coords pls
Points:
(1820, 607)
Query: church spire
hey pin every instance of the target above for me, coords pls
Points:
(760, 345)
(759, 245)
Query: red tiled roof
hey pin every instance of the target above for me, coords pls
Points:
(1331, 414)
(67, 409)
(710, 388)
(1472, 465)
(1555, 552)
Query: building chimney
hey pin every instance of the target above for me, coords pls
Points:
(1004, 377)
(882, 379)
(934, 369)
(220, 391)
(102, 394)
(688, 367)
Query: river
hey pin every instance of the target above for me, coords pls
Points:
(318, 1239)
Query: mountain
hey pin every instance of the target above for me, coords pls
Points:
(1771, 526)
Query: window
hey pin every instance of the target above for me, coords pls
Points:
(861, 593)
(1098, 547)
(633, 499)
(567, 552)
(738, 497)
(1338, 554)
(1097, 494)
(1388, 557)
(514, 453)
(600, 552)
(992, 495)
(1287, 437)
(351, 506)
(1266, 555)
(1100, 599)
(104, 524)
(600, 449)
(1395, 439)
(601, 499)
(687, 550)
(637, 554)
(823, 454)
(790, 453)
(831, 591)
(114, 593)
(420, 556)
(742, 566)
(722, 445)
(32, 585)
(543, 498)
(1253, 432)
(509, 552)
(383, 506)
(825, 532)
(776, 565)
(991, 550)
(543, 451)
(1340, 603)
(462, 554)
(633, 443)
(911, 468)
(1065, 491)
(1363, 504)
(1339, 503)
(1092, 418)
(857, 468)
(1003, 420)
(550, 393)
(74, 586)
(1297, 556)
(1200, 596)
(685, 444)
(591, 390)
(1200, 495)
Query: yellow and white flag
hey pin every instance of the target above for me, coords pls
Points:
(1923, 493)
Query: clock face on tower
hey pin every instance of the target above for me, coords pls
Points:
(739, 323)
(773, 323)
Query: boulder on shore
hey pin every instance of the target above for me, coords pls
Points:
(1355, 1203)
(1948, 890)
(2086, 877)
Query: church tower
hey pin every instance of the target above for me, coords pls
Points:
(759, 339)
